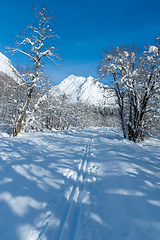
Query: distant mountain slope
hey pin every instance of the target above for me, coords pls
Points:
(82, 89)
(6, 68)
(88, 90)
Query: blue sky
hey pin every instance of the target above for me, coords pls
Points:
(85, 28)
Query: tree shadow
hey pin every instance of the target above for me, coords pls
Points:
(43, 187)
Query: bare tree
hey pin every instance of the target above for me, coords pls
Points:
(33, 42)
(136, 78)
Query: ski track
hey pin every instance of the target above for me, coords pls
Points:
(68, 224)
(105, 187)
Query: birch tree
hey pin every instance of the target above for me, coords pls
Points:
(33, 42)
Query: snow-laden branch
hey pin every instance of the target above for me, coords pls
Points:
(32, 42)
(136, 78)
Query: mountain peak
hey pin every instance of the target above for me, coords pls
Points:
(87, 90)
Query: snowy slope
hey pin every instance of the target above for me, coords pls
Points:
(83, 184)
(7, 68)
(87, 90)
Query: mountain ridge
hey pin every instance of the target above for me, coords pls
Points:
(6, 68)
(88, 90)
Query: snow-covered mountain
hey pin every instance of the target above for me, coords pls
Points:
(6, 68)
(82, 89)
(88, 90)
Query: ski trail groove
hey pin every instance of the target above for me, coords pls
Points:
(68, 225)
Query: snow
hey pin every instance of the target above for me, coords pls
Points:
(87, 90)
(80, 184)
(7, 68)
(153, 49)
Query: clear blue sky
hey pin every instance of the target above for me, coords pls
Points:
(85, 27)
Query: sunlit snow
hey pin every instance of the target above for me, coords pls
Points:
(7, 68)
(79, 184)
(88, 90)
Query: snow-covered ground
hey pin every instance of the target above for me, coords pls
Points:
(79, 184)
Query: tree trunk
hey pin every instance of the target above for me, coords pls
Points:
(19, 124)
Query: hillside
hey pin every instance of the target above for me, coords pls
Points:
(6, 68)
(83, 184)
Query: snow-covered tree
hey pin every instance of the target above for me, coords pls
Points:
(136, 80)
(34, 43)
(12, 97)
